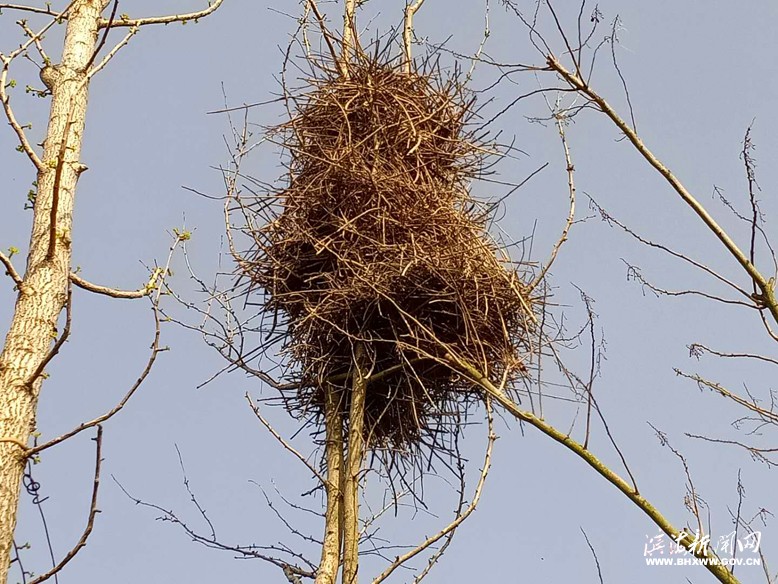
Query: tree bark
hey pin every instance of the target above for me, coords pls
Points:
(44, 290)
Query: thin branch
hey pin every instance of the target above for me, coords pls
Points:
(58, 344)
(283, 442)
(767, 297)
(113, 51)
(155, 349)
(125, 22)
(93, 511)
(560, 121)
(13, 122)
(410, 12)
(611, 220)
(104, 38)
(594, 554)
(400, 560)
(696, 349)
(4, 83)
(718, 570)
(324, 32)
(150, 286)
(770, 416)
(47, 11)
(10, 270)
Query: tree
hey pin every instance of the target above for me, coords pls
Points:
(44, 289)
(231, 341)
(580, 431)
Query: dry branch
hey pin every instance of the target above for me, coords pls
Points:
(766, 297)
(213, 6)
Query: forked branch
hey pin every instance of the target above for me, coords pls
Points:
(766, 297)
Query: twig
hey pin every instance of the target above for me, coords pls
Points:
(93, 511)
(47, 11)
(560, 120)
(283, 442)
(10, 270)
(4, 97)
(611, 220)
(325, 33)
(113, 51)
(125, 22)
(104, 38)
(696, 349)
(772, 417)
(57, 345)
(594, 554)
(459, 519)
(718, 570)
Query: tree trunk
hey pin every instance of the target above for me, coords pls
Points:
(333, 518)
(351, 477)
(43, 293)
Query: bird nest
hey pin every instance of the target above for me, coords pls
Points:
(375, 239)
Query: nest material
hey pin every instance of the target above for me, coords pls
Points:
(376, 240)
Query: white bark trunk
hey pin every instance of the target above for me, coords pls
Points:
(43, 294)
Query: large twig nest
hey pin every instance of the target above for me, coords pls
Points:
(376, 239)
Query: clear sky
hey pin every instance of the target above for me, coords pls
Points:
(698, 75)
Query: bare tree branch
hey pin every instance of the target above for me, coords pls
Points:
(451, 527)
(10, 270)
(155, 349)
(93, 511)
(150, 286)
(560, 124)
(213, 5)
(766, 298)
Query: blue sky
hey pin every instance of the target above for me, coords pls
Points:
(698, 75)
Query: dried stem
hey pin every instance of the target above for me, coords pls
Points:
(560, 124)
